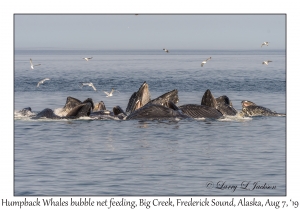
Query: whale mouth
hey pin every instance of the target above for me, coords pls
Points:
(137, 105)
(208, 99)
(247, 103)
(145, 95)
(166, 98)
(139, 98)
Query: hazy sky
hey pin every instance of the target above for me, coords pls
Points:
(99, 32)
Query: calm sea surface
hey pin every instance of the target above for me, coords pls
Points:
(233, 156)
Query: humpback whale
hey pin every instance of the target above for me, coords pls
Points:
(141, 107)
(116, 114)
(70, 104)
(209, 107)
(156, 111)
(164, 107)
(118, 111)
(81, 110)
(142, 97)
(166, 98)
(47, 113)
(250, 109)
(99, 106)
(224, 105)
(200, 111)
(100, 112)
(73, 107)
(26, 112)
(139, 98)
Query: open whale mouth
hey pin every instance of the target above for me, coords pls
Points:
(139, 98)
(145, 94)
(208, 99)
(244, 103)
(247, 103)
(166, 98)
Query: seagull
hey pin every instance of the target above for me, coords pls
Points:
(111, 92)
(266, 62)
(265, 43)
(42, 81)
(166, 50)
(31, 64)
(88, 84)
(204, 62)
(87, 59)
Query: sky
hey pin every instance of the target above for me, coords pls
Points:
(131, 32)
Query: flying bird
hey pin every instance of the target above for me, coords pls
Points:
(87, 59)
(111, 93)
(166, 50)
(264, 43)
(31, 64)
(204, 62)
(266, 62)
(88, 84)
(42, 81)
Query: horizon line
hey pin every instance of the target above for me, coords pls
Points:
(124, 49)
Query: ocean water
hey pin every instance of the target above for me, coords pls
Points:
(233, 156)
